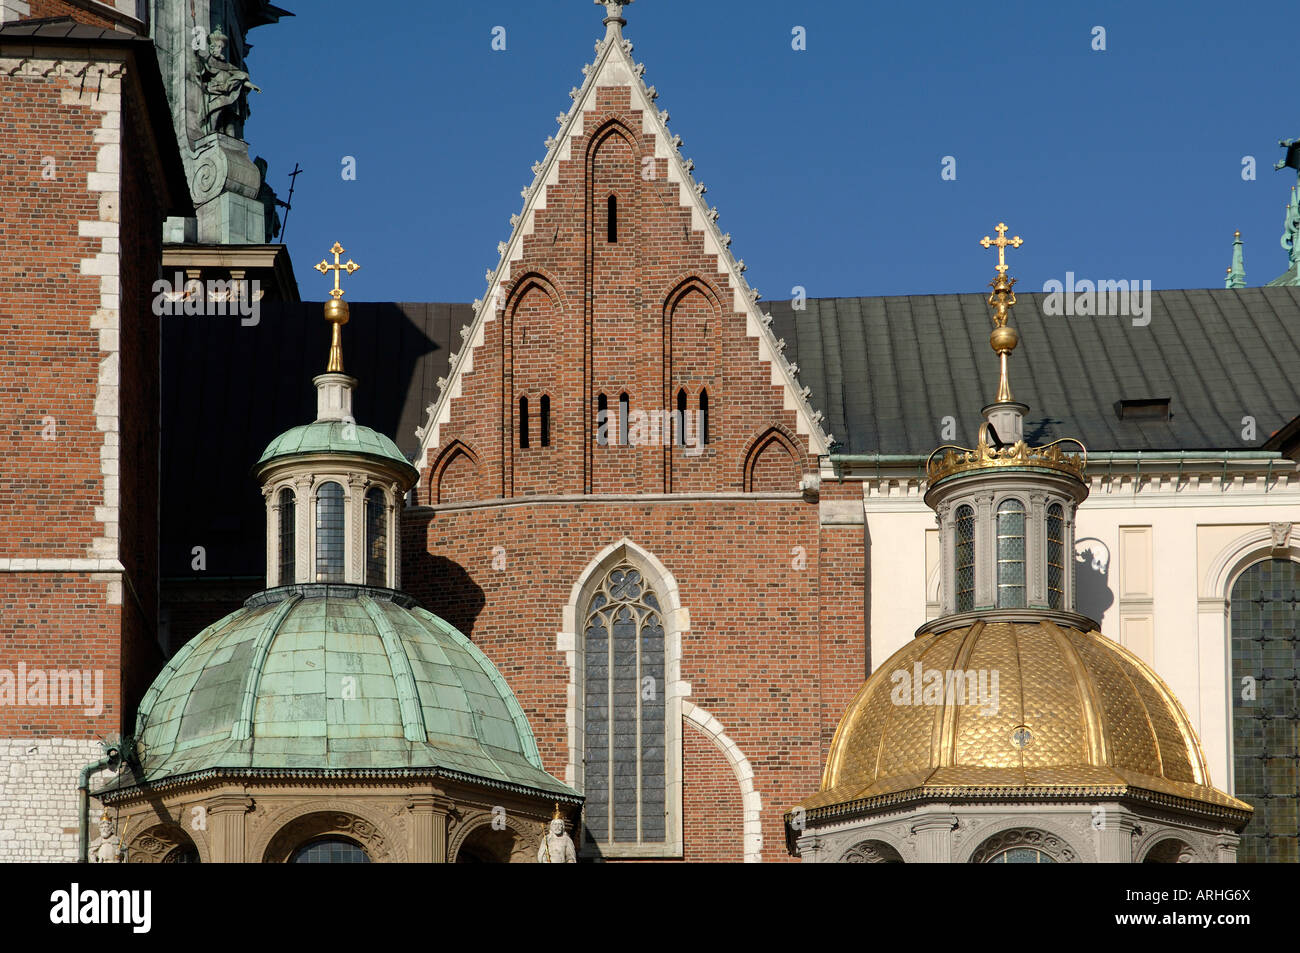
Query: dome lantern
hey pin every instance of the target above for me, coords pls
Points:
(333, 488)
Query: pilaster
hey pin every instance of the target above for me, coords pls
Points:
(226, 819)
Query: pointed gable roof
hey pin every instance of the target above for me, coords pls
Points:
(614, 66)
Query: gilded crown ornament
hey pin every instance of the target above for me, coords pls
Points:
(336, 309)
(1001, 442)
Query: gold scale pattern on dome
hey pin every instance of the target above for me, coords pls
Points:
(950, 459)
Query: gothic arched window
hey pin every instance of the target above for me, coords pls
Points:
(681, 418)
(611, 219)
(1011, 554)
(624, 412)
(376, 538)
(965, 558)
(546, 420)
(704, 418)
(1265, 694)
(288, 538)
(624, 728)
(523, 422)
(329, 533)
(1056, 556)
(602, 421)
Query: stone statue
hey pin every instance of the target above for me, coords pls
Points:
(556, 846)
(225, 87)
(107, 847)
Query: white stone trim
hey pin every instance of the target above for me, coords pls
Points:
(751, 800)
(21, 564)
(614, 66)
(677, 622)
(11, 10)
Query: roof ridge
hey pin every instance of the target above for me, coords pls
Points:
(546, 173)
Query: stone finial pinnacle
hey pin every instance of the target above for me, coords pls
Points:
(1237, 273)
(614, 21)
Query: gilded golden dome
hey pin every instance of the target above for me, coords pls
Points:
(1071, 713)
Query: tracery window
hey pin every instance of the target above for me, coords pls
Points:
(1265, 626)
(376, 538)
(1056, 556)
(1011, 554)
(965, 558)
(329, 533)
(1021, 855)
(624, 764)
(288, 537)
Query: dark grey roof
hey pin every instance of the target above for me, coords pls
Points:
(60, 28)
(886, 371)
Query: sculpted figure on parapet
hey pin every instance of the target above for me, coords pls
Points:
(225, 87)
(557, 845)
(107, 847)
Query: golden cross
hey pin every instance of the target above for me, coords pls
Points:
(1002, 242)
(325, 268)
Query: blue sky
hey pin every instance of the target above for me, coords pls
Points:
(824, 164)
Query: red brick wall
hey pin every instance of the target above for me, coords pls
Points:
(50, 362)
(715, 818)
(645, 315)
(49, 353)
(58, 621)
(758, 650)
(41, 9)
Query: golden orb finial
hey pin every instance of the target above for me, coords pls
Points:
(336, 309)
(1004, 339)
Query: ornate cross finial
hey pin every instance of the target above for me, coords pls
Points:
(325, 268)
(1002, 242)
(336, 309)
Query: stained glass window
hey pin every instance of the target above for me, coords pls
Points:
(329, 533)
(624, 730)
(1011, 554)
(332, 850)
(965, 559)
(1266, 708)
(288, 538)
(1056, 556)
(376, 538)
(1021, 855)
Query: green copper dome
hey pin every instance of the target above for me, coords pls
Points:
(333, 677)
(334, 436)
